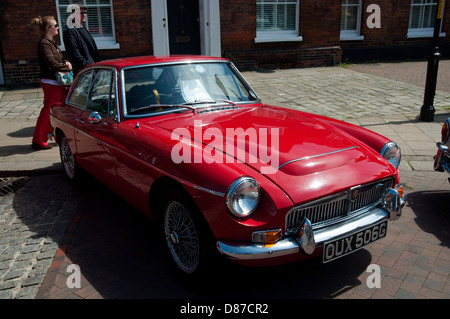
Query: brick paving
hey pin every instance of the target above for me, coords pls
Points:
(46, 225)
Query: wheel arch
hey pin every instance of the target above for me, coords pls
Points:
(160, 190)
(159, 193)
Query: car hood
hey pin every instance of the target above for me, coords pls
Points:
(294, 150)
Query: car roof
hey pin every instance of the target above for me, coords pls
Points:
(144, 60)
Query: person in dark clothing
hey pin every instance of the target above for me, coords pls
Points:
(79, 43)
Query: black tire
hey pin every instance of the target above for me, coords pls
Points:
(71, 169)
(187, 237)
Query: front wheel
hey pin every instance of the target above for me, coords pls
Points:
(182, 237)
(185, 234)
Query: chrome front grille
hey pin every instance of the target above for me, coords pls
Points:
(338, 207)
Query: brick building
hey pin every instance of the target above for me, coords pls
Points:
(254, 34)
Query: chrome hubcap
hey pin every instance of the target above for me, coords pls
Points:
(174, 238)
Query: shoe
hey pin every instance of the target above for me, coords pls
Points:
(38, 147)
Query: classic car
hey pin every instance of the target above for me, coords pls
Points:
(186, 141)
(442, 158)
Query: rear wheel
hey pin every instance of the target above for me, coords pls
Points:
(67, 159)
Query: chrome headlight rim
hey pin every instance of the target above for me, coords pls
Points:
(391, 151)
(243, 188)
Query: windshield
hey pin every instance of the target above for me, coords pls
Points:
(153, 89)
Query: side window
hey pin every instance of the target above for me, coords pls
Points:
(80, 93)
(100, 91)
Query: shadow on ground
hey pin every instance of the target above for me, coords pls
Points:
(432, 210)
(120, 256)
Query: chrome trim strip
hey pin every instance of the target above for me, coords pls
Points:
(200, 188)
(289, 246)
(318, 155)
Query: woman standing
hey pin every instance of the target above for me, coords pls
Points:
(50, 61)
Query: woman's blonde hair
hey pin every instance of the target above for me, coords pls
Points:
(42, 22)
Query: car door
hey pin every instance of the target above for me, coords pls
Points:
(70, 115)
(97, 125)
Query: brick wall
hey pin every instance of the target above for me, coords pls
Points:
(320, 45)
(133, 28)
(319, 26)
(19, 39)
(391, 41)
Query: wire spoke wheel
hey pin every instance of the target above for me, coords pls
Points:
(182, 237)
(67, 158)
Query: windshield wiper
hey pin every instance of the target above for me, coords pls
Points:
(187, 105)
(228, 101)
(156, 106)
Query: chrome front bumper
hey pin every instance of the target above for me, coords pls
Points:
(442, 158)
(305, 240)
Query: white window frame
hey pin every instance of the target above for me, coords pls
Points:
(281, 36)
(421, 32)
(209, 27)
(103, 43)
(351, 35)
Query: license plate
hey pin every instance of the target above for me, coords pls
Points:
(348, 244)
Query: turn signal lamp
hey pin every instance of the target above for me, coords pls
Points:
(444, 132)
(400, 191)
(267, 237)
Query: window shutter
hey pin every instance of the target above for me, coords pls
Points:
(276, 15)
(99, 20)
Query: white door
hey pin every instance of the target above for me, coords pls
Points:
(160, 32)
(210, 27)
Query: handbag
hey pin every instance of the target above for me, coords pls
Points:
(64, 78)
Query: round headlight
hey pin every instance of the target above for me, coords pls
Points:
(243, 196)
(392, 153)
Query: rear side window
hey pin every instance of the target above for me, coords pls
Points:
(80, 93)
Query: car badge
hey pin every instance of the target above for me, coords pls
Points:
(354, 193)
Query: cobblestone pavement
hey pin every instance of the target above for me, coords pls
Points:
(33, 221)
(47, 225)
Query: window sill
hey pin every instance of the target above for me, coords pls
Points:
(101, 46)
(416, 34)
(278, 39)
(352, 37)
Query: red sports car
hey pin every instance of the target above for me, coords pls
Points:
(187, 141)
